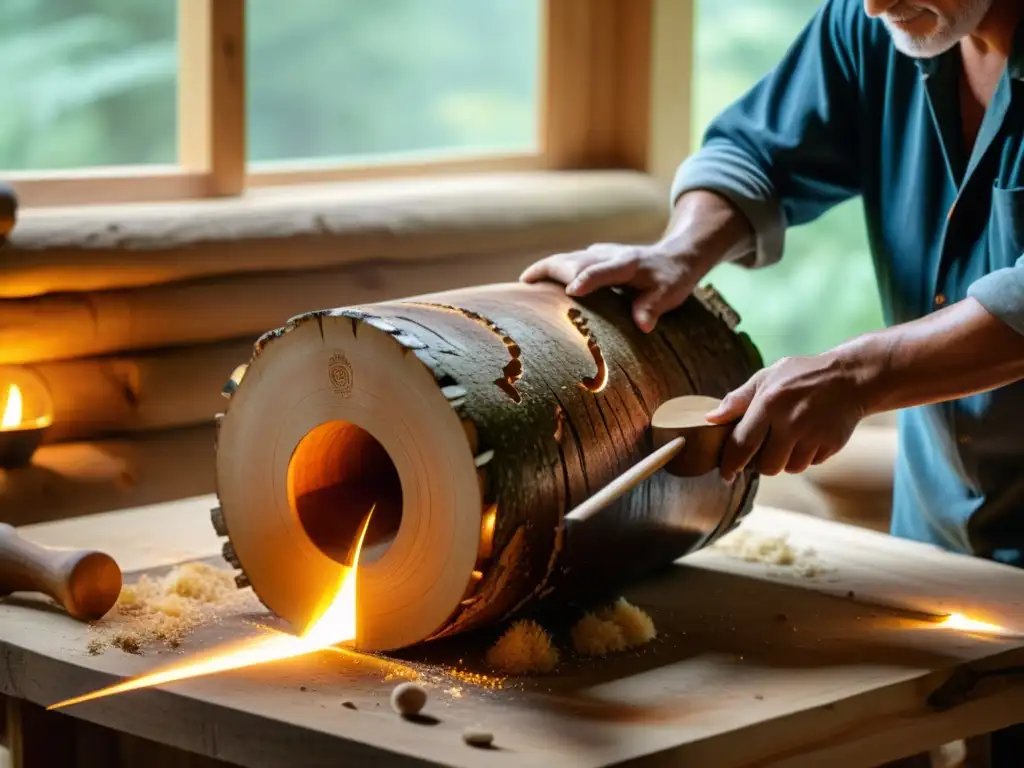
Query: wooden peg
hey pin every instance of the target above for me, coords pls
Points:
(85, 583)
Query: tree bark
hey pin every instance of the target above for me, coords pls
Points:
(553, 397)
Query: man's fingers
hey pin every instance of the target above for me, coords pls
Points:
(802, 457)
(774, 454)
(617, 270)
(651, 305)
(561, 267)
(824, 453)
(744, 442)
(736, 403)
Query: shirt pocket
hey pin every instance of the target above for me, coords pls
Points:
(1006, 227)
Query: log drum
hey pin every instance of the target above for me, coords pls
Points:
(470, 421)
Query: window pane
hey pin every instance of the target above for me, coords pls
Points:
(87, 83)
(357, 78)
(823, 291)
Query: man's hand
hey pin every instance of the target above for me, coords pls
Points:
(792, 414)
(802, 410)
(662, 279)
(704, 230)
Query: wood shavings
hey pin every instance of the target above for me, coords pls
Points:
(753, 547)
(129, 642)
(475, 679)
(164, 610)
(592, 636)
(524, 648)
(616, 628)
(636, 625)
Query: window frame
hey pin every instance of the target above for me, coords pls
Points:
(614, 94)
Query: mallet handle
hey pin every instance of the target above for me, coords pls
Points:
(627, 480)
(85, 583)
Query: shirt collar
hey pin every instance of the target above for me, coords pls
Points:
(1014, 66)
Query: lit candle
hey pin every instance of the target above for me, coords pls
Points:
(13, 409)
(26, 411)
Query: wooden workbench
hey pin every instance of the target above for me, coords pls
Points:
(755, 665)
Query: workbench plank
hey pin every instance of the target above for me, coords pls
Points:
(729, 682)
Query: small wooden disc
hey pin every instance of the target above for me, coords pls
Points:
(684, 417)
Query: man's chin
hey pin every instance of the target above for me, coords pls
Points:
(921, 47)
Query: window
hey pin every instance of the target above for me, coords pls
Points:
(112, 101)
(87, 83)
(350, 79)
(823, 291)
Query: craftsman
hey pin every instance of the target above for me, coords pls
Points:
(918, 107)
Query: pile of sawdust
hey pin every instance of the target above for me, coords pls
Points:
(754, 547)
(164, 610)
(616, 628)
(525, 647)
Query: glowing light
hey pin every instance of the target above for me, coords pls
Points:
(336, 624)
(599, 381)
(961, 622)
(486, 548)
(13, 409)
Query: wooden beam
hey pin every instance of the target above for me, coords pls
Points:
(596, 88)
(166, 388)
(617, 84)
(102, 186)
(671, 87)
(287, 173)
(211, 92)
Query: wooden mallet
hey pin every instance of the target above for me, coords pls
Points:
(85, 583)
(686, 446)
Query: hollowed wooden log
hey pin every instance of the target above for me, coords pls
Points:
(471, 421)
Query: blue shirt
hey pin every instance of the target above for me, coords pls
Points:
(845, 114)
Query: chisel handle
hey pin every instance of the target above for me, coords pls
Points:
(627, 481)
(85, 583)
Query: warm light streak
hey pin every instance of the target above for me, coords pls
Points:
(960, 622)
(337, 624)
(486, 548)
(390, 668)
(13, 409)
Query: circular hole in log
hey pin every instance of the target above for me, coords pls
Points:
(337, 472)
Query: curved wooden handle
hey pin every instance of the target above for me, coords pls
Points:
(85, 583)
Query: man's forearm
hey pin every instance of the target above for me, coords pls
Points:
(709, 226)
(958, 351)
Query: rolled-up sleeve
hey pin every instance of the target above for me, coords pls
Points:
(1002, 293)
(787, 150)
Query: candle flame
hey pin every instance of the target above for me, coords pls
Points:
(13, 409)
(336, 624)
(961, 622)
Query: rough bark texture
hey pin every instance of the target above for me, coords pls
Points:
(557, 396)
